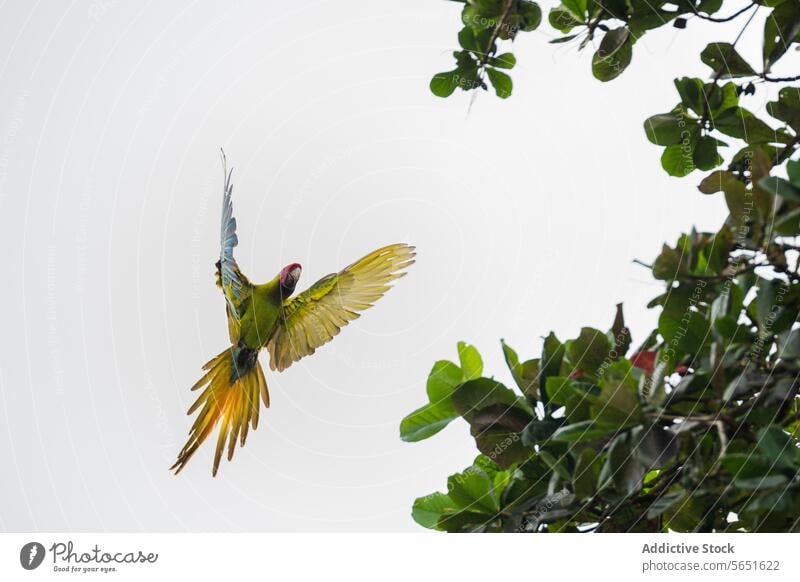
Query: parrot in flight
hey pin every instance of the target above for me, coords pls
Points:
(267, 316)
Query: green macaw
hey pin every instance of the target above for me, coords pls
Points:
(266, 316)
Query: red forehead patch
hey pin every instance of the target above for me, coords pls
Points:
(288, 269)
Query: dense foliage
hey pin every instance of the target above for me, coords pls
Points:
(698, 427)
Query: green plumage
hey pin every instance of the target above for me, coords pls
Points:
(290, 328)
(259, 318)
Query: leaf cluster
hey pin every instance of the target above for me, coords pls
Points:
(697, 428)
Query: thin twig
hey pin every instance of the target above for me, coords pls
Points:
(727, 18)
(779, 79)
(746, 24)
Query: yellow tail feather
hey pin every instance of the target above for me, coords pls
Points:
(233, 383)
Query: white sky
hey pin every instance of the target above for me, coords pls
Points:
(526, 214)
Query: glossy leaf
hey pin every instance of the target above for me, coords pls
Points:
(614, 54)
(726, 61)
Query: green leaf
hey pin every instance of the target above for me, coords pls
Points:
(471, 362)
(722, 98)
(667, 128)
(487, 466)
(481, 18)
(550, 364)
(614, 54)
(736, 198)
(670, 264)
(654, 446)
(525, 374)
(562, 39)
(557, 464)
(561, 390)
(618, 402)
(469, 41)
(577, 8)
(622, 468)
(789, 345)
(442, 380)
(474, 395)
(678, 159)
(429, 509)
(648, 17)
(788, 224)
(504, 61)
(680, 324)
(589, 350)
(685, 334)
(771, 314)
(780, 187)
(588, 430)
(709, 6)
(472, 490)
(725, 61)
(781, 392)
(780, 30)
(717, 182)
(746, 465)
(714, 253)
(497, 430)
(793, 167)
(463, 522)
(587, 470)
(739, 122)
(664, 502)
(562, 19)
(512, 359)
(530, 15)
(620, 333)
(779, 447)
(501, 82)
(741, 385)
(540, 431)
(765, 482)
(705, 154)
(444, 84)
(425, 422)
(465, 76)
(691, 92)
(787, 108)
(686, 516)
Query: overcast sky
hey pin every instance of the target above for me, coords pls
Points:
(526, 214)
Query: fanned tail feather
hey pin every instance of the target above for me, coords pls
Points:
(232, 384)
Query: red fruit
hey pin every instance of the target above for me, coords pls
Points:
(644, 360)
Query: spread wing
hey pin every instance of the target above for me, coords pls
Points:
(230, 279)
(316, 315)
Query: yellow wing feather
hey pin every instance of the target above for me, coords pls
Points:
(228, 399)
(315, 316)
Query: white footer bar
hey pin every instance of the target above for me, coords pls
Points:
(408, 557)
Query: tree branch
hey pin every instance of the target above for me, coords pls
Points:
(496, 32)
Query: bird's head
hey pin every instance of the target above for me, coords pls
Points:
(289, 277)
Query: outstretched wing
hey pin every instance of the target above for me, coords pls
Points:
(230, 279)
(316, 315)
